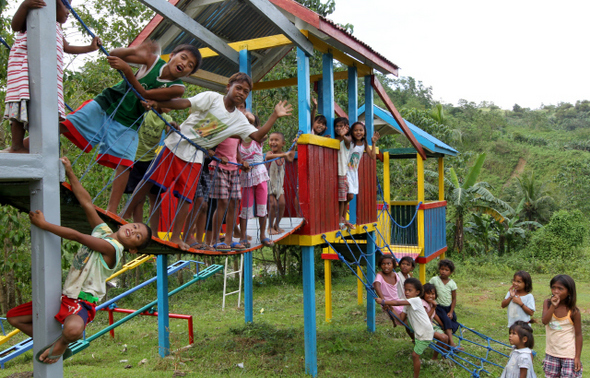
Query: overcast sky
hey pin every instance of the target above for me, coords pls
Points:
(525, 52)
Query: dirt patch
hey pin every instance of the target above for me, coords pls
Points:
(518, 170)
(26, 374)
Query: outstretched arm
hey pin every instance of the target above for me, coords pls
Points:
(82, 195)
(392, 302)
(282, 109)
(175, 104)
(314, 106)
(93, 46)
(145, 54)
(19, 20)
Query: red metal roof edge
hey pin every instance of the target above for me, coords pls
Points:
(150, 27)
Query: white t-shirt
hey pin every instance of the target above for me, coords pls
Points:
(354, 160)
(343, 159)
(419, 319)
(519, 358)
(89, 271)
(515, 312)
(208, 125)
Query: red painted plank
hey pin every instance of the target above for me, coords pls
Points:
(303, 168)
(433, 205)
(150, 27)
(424, 260)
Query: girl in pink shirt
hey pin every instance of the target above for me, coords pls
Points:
(385, 284)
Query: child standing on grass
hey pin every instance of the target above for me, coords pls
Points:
(386, 284)
(358, 135)
(563, 326)
(276, 171)
(17, 80)
(520, 301)
(406, 267)
(429, 300)
(341, 130)
(520, 363)
(418, 319)
(446, 289)
(85, 284)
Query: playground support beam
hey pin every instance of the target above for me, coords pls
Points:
(360, 289)
(246, 67)
(45, 246)
(303, 92)
(309, 311)
(328, 286)
(328, 92)
(163, 319)
(420, 218)
(370, 278)
(441, 186)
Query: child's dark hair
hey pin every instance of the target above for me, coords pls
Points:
(523, 329)
(409, 260)
(446, 263)
(321, 119)
(341, 119)
(570, 285)
(526, 278)
(279, 133)
(428, 287)
(148, 240)
(192, 50)
(387, 256)
(416, 283)
(240, 77)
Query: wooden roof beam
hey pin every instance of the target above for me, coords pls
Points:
(184, 22)
(347, 60)
(292, 81)
(273, 15)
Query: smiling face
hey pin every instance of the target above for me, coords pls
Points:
(430, 295)
(319, 127)
(358, 132)
(132, 236)
(341, 128)
(276, 142)
(411, 291)
(237, 92)
(182, 63)
(518, 283)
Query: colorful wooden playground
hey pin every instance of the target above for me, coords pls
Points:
(250, 36)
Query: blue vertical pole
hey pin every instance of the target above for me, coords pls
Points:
(353, 107)
(371, 278)
(328, 91)
(369, 108)
(320, 109)
(309, 311)
(246, 67)
(303, 91)
(248, 289)
(163, 319)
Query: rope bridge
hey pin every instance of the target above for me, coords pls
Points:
(474, 364)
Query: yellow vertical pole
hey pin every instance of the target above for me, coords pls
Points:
(386, 222)
(359, 286)
(420, 220)
(441, 186)
(328, 284)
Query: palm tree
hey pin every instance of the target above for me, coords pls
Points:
(535, 199)
(471, 196)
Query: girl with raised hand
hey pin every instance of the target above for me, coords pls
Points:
(519, 300)
(563, 326)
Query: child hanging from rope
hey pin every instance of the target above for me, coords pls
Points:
(254, 187)
(214, 118)
(358, 134)
(276, 170)
(418, 319)
(114, 116)
(446, 289)
(149, 137)
(520, 364)
(17, 81)
(341, 129)
(85, 284)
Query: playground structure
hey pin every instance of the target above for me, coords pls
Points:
(231, 42)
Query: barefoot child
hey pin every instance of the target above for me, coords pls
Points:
(386, 284)
(563, 326)
(520, 301)
(418, 319)
(17, 89)
(446, 289)
(430, 304)
(276, 170)
(214, 118)
(406, 267)
(85, 284)
(520, 363)
(113, 118)
(341, 130)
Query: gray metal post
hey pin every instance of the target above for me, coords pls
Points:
(44, 140)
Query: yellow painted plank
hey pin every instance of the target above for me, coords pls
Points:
(311, 240)
(317, 140)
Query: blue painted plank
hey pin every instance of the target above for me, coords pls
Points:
(328, 92)
(246, 67)
(248, 289)
(371, 278)
(309, 311)
(163, 319)
(303, 91)
(352, 118)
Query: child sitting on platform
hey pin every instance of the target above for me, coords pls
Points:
(276, 170)
(85, 284)
(17, 80)
(446, 289)
(430, 296)
(341, 129)
(113, 118)
(214, 118)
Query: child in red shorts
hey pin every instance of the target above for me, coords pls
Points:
(85, 284)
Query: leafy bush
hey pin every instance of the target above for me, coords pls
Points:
(562, 238)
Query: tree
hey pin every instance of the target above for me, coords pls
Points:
(511, 228)
(471, 196)
(535, 203)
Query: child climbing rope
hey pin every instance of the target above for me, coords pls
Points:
(17, 81)
(114, 116)
(386, 284)
(276, 171)
(85, 284)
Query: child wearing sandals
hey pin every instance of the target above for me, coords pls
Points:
(254, 183)
(85, 284)
(446, 289)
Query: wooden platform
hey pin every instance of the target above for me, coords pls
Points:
(17, 194)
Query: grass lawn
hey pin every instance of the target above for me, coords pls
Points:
(273, 345)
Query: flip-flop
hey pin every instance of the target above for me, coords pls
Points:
(267, 242)
(66, 354)
(234, 244)
(245, 243)
(202, 247)
(222, 247)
